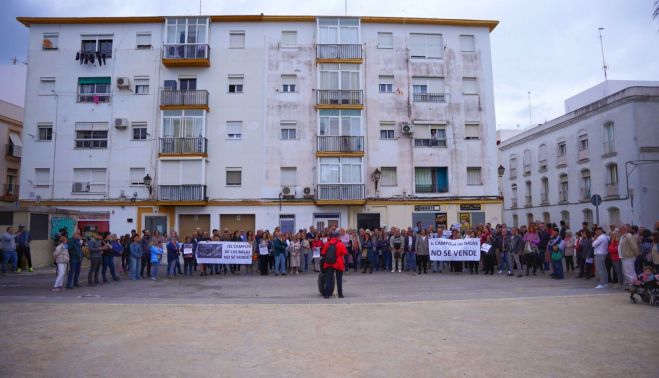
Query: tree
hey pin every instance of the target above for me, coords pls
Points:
(655, 14)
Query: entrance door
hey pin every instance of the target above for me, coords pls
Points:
(237, 222)
(156, 222)
(189, 223)
(369, 221)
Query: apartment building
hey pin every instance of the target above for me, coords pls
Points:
(606, 144)
(248, 122)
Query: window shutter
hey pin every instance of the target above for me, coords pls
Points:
(417, 45)
(289, 37)
(388, 176)
(434, 45)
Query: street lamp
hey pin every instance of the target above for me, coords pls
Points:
(147, 182)
(377, 174)
(501, 170)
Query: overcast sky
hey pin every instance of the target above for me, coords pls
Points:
(550, 48)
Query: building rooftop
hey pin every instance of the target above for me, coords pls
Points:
(11, 113)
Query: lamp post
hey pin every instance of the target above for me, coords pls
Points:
(147, 182)
(501, 170)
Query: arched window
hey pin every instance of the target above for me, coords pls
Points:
(582, 146)
(565, 217)
(614, 216)
(584, 185)
(529, 218)
(512, 165)
(527, 162)
(562, 188)
(611, 180)
(513, 196)
(588, 216)
(542, 158)
(528, 195)
(544, 191)
(546, 218)
(608, 139)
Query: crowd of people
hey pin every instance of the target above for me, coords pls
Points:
(614, 257)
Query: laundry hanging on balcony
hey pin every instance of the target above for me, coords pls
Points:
(91, 57)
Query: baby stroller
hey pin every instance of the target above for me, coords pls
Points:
(647, 291)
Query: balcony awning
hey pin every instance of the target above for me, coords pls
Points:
(94, 80)
(15, 139)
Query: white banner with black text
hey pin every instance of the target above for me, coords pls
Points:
(455, 249)
(215, 252)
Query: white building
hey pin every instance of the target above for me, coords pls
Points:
(246, 122)
(606, 144)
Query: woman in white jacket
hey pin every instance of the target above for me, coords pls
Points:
(61, 256)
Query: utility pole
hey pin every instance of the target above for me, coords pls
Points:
(604, 66)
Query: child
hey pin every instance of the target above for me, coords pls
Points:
(156, 253)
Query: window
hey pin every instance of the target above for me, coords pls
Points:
(340, 122)
(565, 217)
(136, 176)
(529, 194)
(288, 176)
(288, 83)
(288, 130)
(338, 30)
(433, 136)
(339, 76)
(387, 130)
(91, 135)
(428, 89)
(236, 83)
(42, 177)
(39, 226)
(234, 129)
(287, 223)
(561, 151)
(50, 41)
(385, 40)
(585, 185)
(234, 176)
(388, 176)
(141, 84)
(183, 124)
(426, 45)
(542, 158)
(186, 38)
(431, 180)
(143, 40)
(611, 180)
(237, 39)
(515, 220)
(186, 84)
(546, 217)
(467, 43)
(47, 86)
(386, 84)
(340, 170)
(562, 188)
(544, 190)
(513, 196)
(89, 180)
(474, 176)
(614, 216)
(6, 217)
(527, 162)
(529, 218)
(139, 130)
(608, 144)
(583, 142)
(472, 131)
(512, 165)
(94, 89)
(97, 43)
(288, 37)
(45, 131)
(588, 216)
(469, 86)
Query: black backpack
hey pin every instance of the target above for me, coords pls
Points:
(330, 255)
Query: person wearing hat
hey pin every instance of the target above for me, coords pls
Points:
(23, 248)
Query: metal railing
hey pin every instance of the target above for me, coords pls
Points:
(340, 143)
(608, 147)
(584, 194)
(182, 192)
(338, 51)
(340, 192)
(185, 51)
(14, 150)
(430, 188)
(10, 190)
(562, 196)
(612, 189)
(513, 204)
(339, 97)
(528, 201)
(561, 159)
(513, 173)
(183, 145)
(429, 142)
(527, 169)
(429, 97)
(544, 198)
(94, 97)
(187, 97)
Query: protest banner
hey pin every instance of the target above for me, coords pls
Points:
(455, 249)
(485, 247)
(224, 252)
(263, 249)
(187, 249)
(316, 252)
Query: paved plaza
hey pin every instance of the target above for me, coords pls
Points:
(389, 325)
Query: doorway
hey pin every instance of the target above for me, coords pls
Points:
(369, 221)
(156, 223)
(237, 222)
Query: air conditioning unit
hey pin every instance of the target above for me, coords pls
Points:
(120, 123)
(407, 128)
(288, 192)
(80, 187)
(307, 193)
(123, 82)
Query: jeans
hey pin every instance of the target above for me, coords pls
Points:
(437, 266)
(135, 263)
(329, 282)
(557, 266)
(24, 251)
(600, 268)
(9, 257)
(387, 260)
(411, 261)
(61, 270)
(154, 270)
(422, 263)
(306, 258)
(617, 268)
(146, 264)
(74, 274)
(108, 262)
(188, 265)
(171, 267)
(518, 262)
(280, 264)
(94, 268)
(373, 260)
(505, 262)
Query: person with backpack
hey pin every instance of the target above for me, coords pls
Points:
(333, 260)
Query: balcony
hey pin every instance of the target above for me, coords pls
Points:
(94, 98)
(352, 97)
(430, 188)
(341, 192)
(527, 169)
(341, 144)
(612, 190)
(513, 173)
(544, 199)
(582, 155)
(562, 196)
(528, 201)
(584, 194)
(14, 150)
(542, 166)
(429, 97)
(608, 147)
(182, 193)
(188, 99)
(513, 202)
(10, 192)
(332, 52)
(430, 142)
(561, 160)
(186, 55)
(179, 146)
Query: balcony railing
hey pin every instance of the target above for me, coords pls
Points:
(430, 142)
(181, 98)
(182, 192)
(608, 147)
(430, 188)
(528, 201)
(185, 51)
(513, 173)
(562, 196)
(527, 169)
(612, 189)
(429, 97)
(94, 97)
(340, 192)
(183, 145)
(544, 198)
(561, 159)
(10, 191)
(584, 194)
(513, 202)
(14, 150)
(339, 97)
(338, 51)
(583, 154)
(340, 143)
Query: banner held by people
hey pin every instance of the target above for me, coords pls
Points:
(455, 249)
(214, 252)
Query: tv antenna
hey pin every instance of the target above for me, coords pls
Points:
(604, 66)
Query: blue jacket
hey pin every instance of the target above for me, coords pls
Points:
(172, 251)
(156, 252)
(75, 250)
(136, 250)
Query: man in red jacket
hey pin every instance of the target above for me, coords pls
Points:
(338, 266)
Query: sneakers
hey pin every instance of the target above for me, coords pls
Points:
(600, 287)
(18, 270)
(501, 271)
(31, 270)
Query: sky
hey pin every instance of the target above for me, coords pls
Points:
(550, 48)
